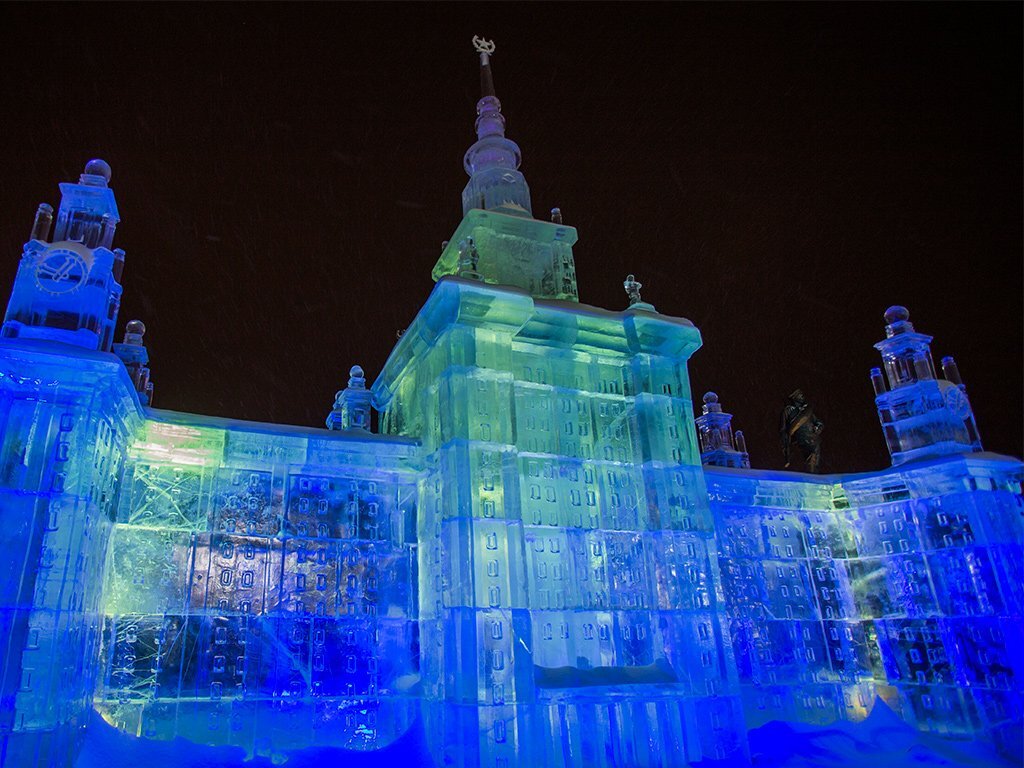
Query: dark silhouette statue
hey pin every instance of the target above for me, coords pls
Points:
(800, 427)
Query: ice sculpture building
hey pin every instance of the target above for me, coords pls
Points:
(540, 559)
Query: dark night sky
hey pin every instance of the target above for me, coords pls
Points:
(779, 174)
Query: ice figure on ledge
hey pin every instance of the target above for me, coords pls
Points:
(542, 559)
(469, 259)
(921, 415)
(632, 287)
(801, 429)
(718, 446)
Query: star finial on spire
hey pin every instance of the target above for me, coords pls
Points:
(485, 48)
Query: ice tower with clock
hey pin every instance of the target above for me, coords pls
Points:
(69, 289)
(68, 409)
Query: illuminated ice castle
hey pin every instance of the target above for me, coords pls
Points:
(530, 562)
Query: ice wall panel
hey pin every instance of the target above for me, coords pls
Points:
(908, 603)
(257, 599)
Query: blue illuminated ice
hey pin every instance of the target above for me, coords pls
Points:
(540, 558)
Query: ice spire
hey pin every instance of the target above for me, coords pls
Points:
(498, 241)
(495, 183)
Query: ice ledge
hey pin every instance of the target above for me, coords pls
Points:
(179, 418)
(949, 474)
(56, 363)
(970, 461)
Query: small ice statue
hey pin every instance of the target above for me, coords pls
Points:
(469, 259)
(801, 428)
(633, 286)
(352, 404)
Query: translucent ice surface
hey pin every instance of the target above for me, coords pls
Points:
(541, 558)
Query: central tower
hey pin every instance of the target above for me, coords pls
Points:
(498, 240)
(569, 596)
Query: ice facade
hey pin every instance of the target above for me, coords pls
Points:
(904, 585)
(540, 557)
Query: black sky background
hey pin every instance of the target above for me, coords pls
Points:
(778, 174)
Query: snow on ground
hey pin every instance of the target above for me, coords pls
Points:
(883, 740)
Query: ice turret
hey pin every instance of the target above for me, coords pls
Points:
(514, 248)
(921, 415)
(352, 404)
(133, 353)
(69, 289)
(718, 446)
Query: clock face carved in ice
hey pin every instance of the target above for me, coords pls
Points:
(62, 268)
(956, 401)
